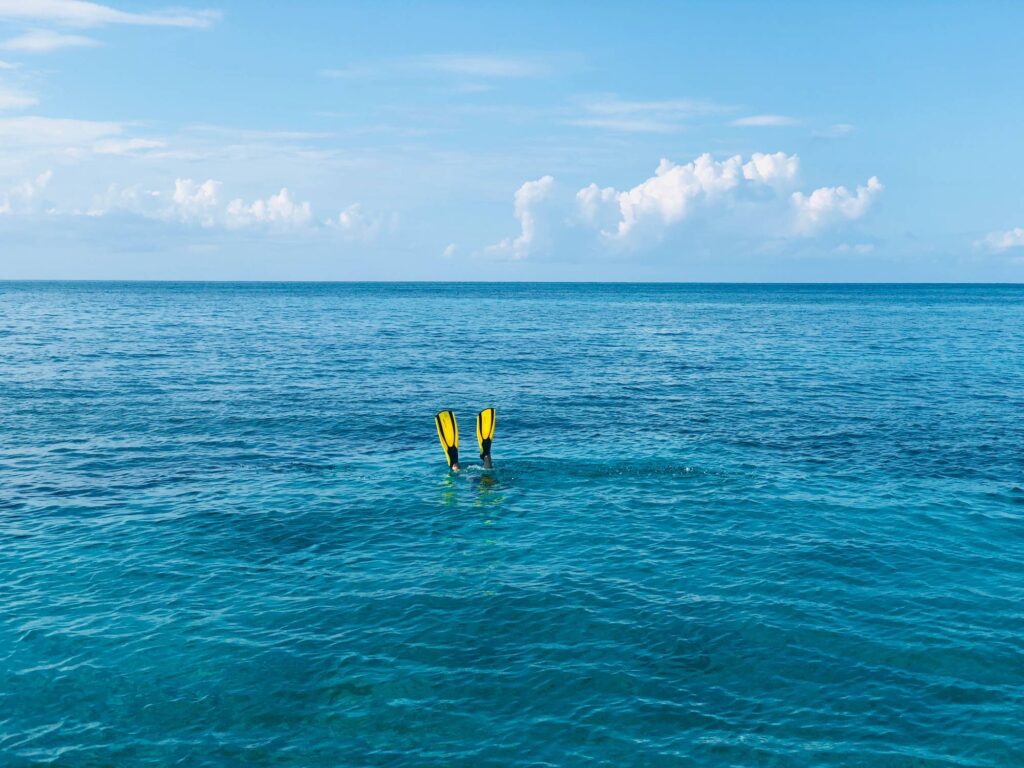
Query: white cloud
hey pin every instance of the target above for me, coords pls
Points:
(356, 224)
(626, 125)
(44, 41)
(86, 14)
(827, 205)
(25, 197)
(353, 72)
(836, 131)
(764, 121)
(669, 196)
(6, 65)
(13, 99)
(1003, 240)
(859, 248)
(195, 203)
(126, 146)
(249, 134)
(774, 169)
(729, 197)
(659, 116)
(200, 204)
(597, 206)
(49, 131)
(449, 251)
(483, 66)
(277, 211)
(527, 198)
(134, 199)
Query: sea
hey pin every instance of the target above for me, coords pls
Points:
(727, 525)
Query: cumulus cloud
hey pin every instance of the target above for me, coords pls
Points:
(597, 206)
(777, 169)
(194, 203)
(645, 211)
(44, 41)
(827, 205)
(1003, 240)
(356, 224)
(133, 199)
(25, 197)
(277, 211)
(201, 204)
(751, 196)
(527, 199)
(87, 14)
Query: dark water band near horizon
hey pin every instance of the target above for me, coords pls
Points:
(728, 525)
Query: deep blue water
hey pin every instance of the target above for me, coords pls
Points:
(728, 525)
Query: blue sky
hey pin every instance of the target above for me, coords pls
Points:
(512, 141)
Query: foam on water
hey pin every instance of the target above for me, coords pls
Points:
(729, 525)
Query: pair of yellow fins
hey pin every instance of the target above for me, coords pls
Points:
(448, 433)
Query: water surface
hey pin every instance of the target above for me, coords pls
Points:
(728, 525)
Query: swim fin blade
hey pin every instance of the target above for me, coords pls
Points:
(448, 434)
(485, 433)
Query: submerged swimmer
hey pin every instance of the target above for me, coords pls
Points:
(448, 433)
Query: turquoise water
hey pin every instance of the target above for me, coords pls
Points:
(728, 525)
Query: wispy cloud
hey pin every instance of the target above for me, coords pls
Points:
(657, 116)
(85, 14)
(861, 249)
(52, 131)
(613, 105)
(7, 65)
(836, 131)
(481, 66)
(44, 41)
(126, 146)
(250, 134)
(14, 99)
(626, 125)
(764, 121)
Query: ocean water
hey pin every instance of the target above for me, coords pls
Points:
(727, 525)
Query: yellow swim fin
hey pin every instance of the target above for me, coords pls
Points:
(485, 433)
(448, 434)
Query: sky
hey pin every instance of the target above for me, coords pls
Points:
(675, 141)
